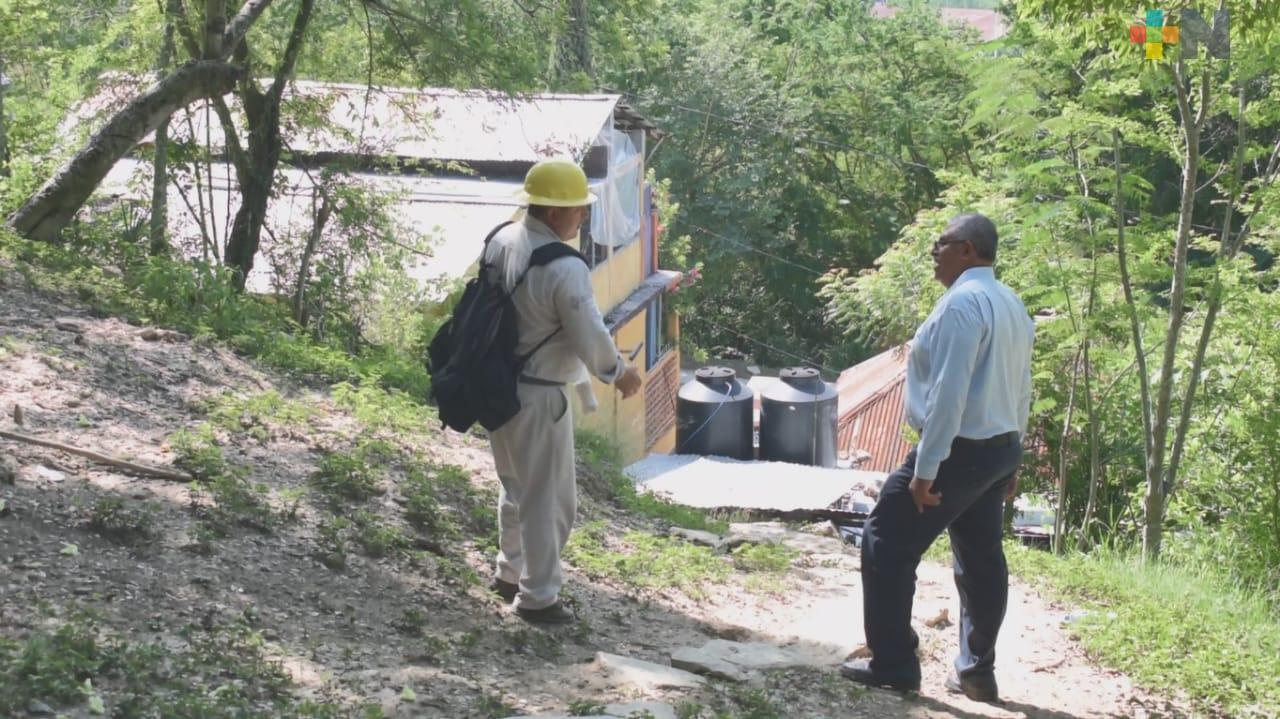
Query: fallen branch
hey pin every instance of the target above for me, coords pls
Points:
(142, 469)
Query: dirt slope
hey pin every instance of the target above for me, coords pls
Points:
(349, 628)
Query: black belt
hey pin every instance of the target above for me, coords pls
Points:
(1000, 440)
(527, 379)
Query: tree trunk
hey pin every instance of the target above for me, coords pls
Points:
(4, 137)
(1060, 514)
(46, 213)
(215, 24)
(574, 45)
(262, 112)
(1157, 491)
(1095, 468)
(53, 207)
(1228, 246)
(304, 270)
(159, 242)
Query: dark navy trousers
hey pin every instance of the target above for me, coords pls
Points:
(973, 482)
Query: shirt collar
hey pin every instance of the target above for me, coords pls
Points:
(541, 233)
(980, 273)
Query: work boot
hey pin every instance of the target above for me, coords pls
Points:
(554, 614)
(978, 687)
(506, 590)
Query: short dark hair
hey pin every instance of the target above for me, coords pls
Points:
(979, 231)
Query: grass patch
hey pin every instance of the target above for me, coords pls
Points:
(766, 566)
(196, 450)
(123, 522)
(647, 561)
(382, 409)
(600, 474)
(235, 500)
(764, 558)
(224, 673)
(422, 505)
(198, 299)
(257, 414)
(1170, 628)
(356, 476)
(376, 538)
(442, 504)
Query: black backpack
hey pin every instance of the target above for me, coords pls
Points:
(472, 358)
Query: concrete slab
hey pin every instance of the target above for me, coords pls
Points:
(645, 675)
(711, 482)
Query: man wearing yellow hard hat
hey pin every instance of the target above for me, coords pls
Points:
(561, 325)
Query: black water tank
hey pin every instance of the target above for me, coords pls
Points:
(798, 419)
(713, 415)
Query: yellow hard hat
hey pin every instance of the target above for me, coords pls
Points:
(557, 182)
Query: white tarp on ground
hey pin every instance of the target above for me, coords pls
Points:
(709, 482)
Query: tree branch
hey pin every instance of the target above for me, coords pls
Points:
(133, 467)
(240, 25)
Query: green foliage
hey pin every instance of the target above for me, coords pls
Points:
(123, 522)
(600, 474)
(234, 500)
(584, 707)
(258, 414)
(197, 451)
(1172, 629)
(332, 535)
(800, 140)
(377, 538)
(382, 409)
(643, 560)
(222, 674)
(763, 558)
(422, 504)
(354, 476)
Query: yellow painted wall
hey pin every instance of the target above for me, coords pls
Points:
(624, 419)
(629, 413)
(616, 279)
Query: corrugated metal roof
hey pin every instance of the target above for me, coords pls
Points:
(872, 411)
(436, 124)
(445, 124)
(873, 431)
(990, 24)
(868, 377)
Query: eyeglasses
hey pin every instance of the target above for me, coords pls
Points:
(939, 244)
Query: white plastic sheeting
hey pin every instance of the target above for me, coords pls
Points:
(616, 217)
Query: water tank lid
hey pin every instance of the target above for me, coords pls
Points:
(805, 379)
(798, 373)
(714, 375)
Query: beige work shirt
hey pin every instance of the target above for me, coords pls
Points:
(552, 296)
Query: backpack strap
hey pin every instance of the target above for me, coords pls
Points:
(484, 264)
(553, 251)
(542, 256)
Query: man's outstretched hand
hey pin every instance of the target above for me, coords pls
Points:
(923, 495)
(628, 383)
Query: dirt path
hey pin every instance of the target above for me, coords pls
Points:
(421, 619)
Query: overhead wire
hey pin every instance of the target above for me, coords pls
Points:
(805, 138)
(762, 343)
(752, 248)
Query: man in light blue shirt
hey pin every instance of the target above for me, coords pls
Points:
(968, 396)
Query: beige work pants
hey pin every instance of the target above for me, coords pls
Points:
(533, 453)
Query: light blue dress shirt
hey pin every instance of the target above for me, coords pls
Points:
(969, 372)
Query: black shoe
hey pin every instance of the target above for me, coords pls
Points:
(978, 687)
(859, 670)
(504, 589)
(554, 614)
